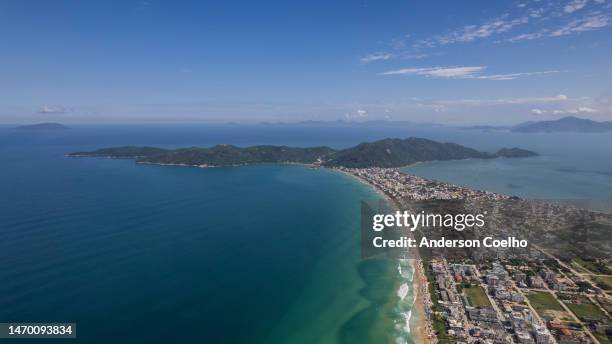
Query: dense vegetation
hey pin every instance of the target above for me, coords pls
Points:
(123, 152)
(383, 153)
(222, 155)
(398, 152)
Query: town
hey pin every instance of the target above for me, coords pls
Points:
(545, 294)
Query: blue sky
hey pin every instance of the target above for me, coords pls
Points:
(454, 62)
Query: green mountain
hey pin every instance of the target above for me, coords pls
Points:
(565, 124)
(398, 152)
(221, 155)
(123, 152)
(383, 153)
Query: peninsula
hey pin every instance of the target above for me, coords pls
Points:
(387, 153)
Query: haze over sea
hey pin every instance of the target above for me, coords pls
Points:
(269, 253)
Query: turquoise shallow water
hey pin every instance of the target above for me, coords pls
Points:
(155, 254)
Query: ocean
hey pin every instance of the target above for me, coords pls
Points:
(265, 253)
(156, 254)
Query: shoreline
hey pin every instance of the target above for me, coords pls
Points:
(420, 327)
(423, 327)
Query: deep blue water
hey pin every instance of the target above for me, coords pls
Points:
(158, 254)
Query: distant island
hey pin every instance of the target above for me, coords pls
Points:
(565, 124)
(42, 126)
(561, 125)
(383, 153)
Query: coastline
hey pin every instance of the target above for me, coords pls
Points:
(420, 327)
(423, 329)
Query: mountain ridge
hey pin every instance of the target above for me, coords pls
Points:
(390, 152)
(565, 124)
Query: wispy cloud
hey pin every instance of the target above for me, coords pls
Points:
(472, 72)
(381, 56)
(511, 101)
(534, 16)
(442, 72)
(358, 114)
(528, 36)
(471, 33)
(593, 21)
(574, 6)
(579, 110)
(48, 109)
(512, 76)
(586, 109)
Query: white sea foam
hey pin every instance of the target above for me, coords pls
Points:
(407, 299)
(407, 317)
(403, 290)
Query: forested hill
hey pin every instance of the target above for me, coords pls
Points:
(398, 152)
(382, 153)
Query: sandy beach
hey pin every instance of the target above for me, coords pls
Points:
(420, 328)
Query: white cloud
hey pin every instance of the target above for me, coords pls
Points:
(581, 109)
(527, 36)
(470, 33)
(376, 57)
(357, 115)
(513, 101)
(536, 12)
(462, 72)
(442, 72)
(439, 108)
(47, 109)
(575, 5)
(586, 109)
(483, 110)
(593, 21)
(413, 56)
(512, 76)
